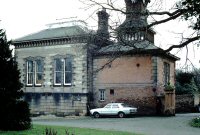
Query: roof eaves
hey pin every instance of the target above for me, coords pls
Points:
(154, 52)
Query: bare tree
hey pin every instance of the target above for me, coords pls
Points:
(186, 10)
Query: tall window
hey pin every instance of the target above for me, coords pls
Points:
(34, 73)
(68, 71)
(166, 73)
(58, 72)
(63, 71)
(102, 94)
(38, 72)
(29, 72)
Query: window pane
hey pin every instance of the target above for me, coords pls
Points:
(29, 72)
(68, 64)
(38, 78)
(58, 77)
(166, 73)
(58, 71)
(107, 106)
(30, 66)
(102, 95)
(115, 106)
(38, 72)
(30, 78)
(68, 70)
(39, 66)
(58, 65)
(68, 77)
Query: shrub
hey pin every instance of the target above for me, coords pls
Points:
(169, 87)
(196, 122)
(16, 117)
(187, 83)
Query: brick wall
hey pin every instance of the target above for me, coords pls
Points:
(137, 80)
(131, 79)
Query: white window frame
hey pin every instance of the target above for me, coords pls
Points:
(57, 84)
(102, 94)
(27, 73)
(67, 84)
(37, 84)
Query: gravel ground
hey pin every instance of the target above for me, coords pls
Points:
(178, 125)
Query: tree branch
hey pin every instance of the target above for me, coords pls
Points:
(183, 44)
(166, 13)
(172, 17)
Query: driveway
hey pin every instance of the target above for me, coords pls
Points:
(177, 125)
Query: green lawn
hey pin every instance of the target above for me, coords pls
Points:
(40, 130)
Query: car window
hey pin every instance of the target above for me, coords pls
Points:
(108, 106)
(125, 105)
(115, 106)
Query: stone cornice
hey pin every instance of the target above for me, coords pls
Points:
(52, 41)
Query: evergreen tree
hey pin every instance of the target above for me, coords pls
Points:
(14, 112)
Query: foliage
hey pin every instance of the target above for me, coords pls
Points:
(195, 122)
(169, 87)
(185, 83)
(184, 77)
(40, 130)
(193, 12)
(14, 113)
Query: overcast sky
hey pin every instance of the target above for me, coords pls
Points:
(22, 17)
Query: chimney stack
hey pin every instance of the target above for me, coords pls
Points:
(102, 31)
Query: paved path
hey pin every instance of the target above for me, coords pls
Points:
(177, 125)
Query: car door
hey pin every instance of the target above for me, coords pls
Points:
(106, 110)
(115, 109)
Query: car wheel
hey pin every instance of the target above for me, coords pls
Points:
(121, 115)
(96, 115)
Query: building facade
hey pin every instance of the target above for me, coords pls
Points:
(68, 70)
(54, 70)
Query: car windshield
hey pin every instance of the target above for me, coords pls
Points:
(108, 106)
(125, 105)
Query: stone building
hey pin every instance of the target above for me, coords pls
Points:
(53, 64)
(67, 69)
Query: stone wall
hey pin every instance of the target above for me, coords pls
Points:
(61, 104)
(185, 103)
(79, 84)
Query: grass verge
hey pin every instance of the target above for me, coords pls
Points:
(40, 130)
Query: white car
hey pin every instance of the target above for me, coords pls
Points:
(119, 109)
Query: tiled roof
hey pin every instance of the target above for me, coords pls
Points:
(144, 47)
(54, 33)
(120, 47)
